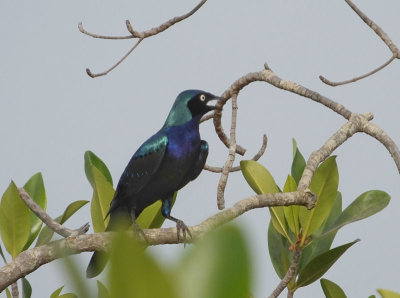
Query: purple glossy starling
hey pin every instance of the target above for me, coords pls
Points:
(163, 164)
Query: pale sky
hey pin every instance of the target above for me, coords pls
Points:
(51, 112)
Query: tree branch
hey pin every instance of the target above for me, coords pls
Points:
(231, 157)
(237, 168)
(32, 259)
(136, 34)
(44, 217)
(289, 274)
(382, 34)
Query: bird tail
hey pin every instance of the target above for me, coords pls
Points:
(100, 258)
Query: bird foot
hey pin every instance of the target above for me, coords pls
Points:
(139, 232)
(181, 228)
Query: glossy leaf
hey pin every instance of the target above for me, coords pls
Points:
(324, 184)
(14, 221)
(298, 164)
(46, 233)
(320, 264)
(291, 212)
(331, 290)
(56, 293)
(92, 159)
(367, 204)
(103, 193)
(102, 291)
(278, 247)
(388, 294)
(261, 181)
(8, 293)
(151, 217)
(35, 188)
(26, 288)
(320, 245)
(133, 273)
(218, 266)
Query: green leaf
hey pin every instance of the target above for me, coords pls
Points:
(320, 245)
(2, 255)
(8, 293)
(320, 264)
(298, 164)
(388, 294)
(35, 188)
(133, 273)
(103, 193)
(26, 288)
(151, 216)
(331, 290)
(102, 291)
(14, 221)
(365, 205)
(262, 182)
(291, 212)
(92, 159)
(218, 266)
(372, 296)
(46, 233)
(68, 295)
(278, 247)
(324, 184)
(56, 293)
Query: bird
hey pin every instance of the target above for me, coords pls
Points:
(163, 164)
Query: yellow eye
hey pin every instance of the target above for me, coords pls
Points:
(202, 97)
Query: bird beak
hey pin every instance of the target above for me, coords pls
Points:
(210, 108)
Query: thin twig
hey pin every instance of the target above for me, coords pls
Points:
(14, 290)
(136, 34)
(289, 274)
(231, 157)
(237, 168)
(382, 34)
(31, 259)
(44, 217)
(94, 75)
(334, 84)
(378, 30)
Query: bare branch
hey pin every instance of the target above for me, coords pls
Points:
(231, 157)
(90, 74)
(237, 168)
(334, 84)
(14, 290)
(44, 217)
(382, 34)
(32, 259)
(136, 34)
(378, 30)
(289, 274)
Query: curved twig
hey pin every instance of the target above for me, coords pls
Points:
(237, 168)
(136, 34)
(289, 274)
(33, 258)
(231, 157)
(382, 34)
(334, 84)
(44, 217)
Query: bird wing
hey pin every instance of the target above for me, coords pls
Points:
(201, 160)
(142, 166)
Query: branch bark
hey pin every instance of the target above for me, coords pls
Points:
(30, 260)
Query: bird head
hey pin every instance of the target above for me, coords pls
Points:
(188, 105)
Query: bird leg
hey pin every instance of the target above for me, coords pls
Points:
(181, 228)
(137, 230)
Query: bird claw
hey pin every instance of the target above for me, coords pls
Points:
(181, 228)
(139, 232)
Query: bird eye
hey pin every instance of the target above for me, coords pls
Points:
(202, 97)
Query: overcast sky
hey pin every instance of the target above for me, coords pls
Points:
(51, 112)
